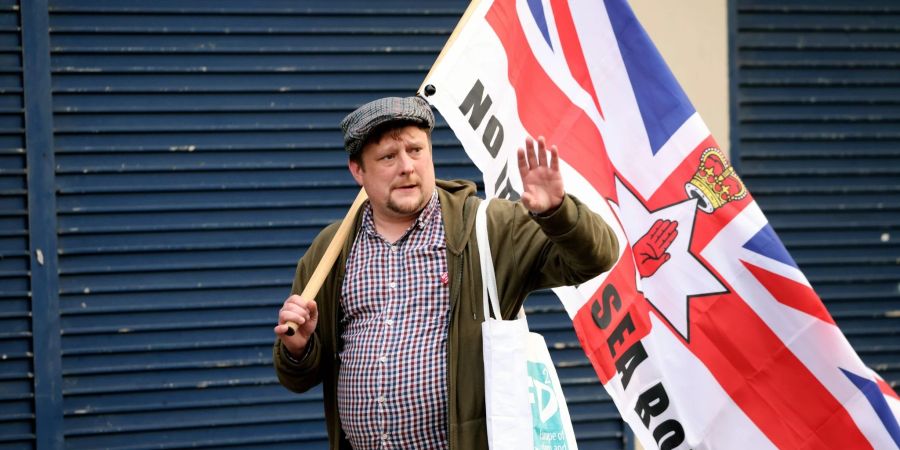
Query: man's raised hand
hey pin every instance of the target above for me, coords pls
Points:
(542, 184)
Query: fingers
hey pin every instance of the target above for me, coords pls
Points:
(554, 159)
(281, 330)
(662, 229)
(523, 166)
(529, 154)
(297, 317)
(296, 300)
(297, 310)
(542, 152)
(313, 309)
(662, 234)
(656, 229)
(669, 234)
(531, 158)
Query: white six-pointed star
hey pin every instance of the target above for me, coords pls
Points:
(681, 276)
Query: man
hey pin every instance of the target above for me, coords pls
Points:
(394, 334)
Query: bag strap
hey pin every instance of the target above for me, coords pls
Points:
(488, 278)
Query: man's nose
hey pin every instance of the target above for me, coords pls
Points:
(406, 163)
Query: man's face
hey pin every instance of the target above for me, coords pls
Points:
(397, 173)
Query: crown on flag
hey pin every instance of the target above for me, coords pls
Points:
(715, 183)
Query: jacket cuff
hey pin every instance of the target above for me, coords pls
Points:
(288, 359)
(560, 221)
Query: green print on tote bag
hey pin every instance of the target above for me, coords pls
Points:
(549, 433)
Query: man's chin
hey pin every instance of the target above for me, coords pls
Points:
(407, 205)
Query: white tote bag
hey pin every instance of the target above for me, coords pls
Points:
(524, 402)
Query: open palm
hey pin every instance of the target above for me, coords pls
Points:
(542, 183)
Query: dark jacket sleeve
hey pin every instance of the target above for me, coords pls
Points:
(566, 248)
(304, 374)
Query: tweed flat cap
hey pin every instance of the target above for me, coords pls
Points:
(359, 124)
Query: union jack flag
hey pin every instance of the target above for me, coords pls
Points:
(705, 333)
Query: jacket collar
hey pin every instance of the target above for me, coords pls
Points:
(457, 226)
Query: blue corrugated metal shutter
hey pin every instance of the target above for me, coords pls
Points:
(197, 155)
(16, 369)
(817, 136)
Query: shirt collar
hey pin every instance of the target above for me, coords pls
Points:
(368, 221)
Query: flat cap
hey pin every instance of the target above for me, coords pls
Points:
(360, 123)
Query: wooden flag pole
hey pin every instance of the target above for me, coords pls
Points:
(331, 253)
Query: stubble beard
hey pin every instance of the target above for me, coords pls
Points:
(407, 208)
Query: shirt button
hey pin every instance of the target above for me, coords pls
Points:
(383, 359)
(381, 399)
(392, 285)
(389, 321)
(384, 437)
(394, 249)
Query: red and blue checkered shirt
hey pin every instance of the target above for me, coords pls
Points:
(392, 387)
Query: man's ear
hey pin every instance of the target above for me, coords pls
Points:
(356, 170)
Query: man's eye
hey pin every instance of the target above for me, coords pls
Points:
(387, 157)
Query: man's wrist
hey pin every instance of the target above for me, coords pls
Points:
(549, 211)
(294, 359)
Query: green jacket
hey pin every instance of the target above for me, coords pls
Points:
(569, 247)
